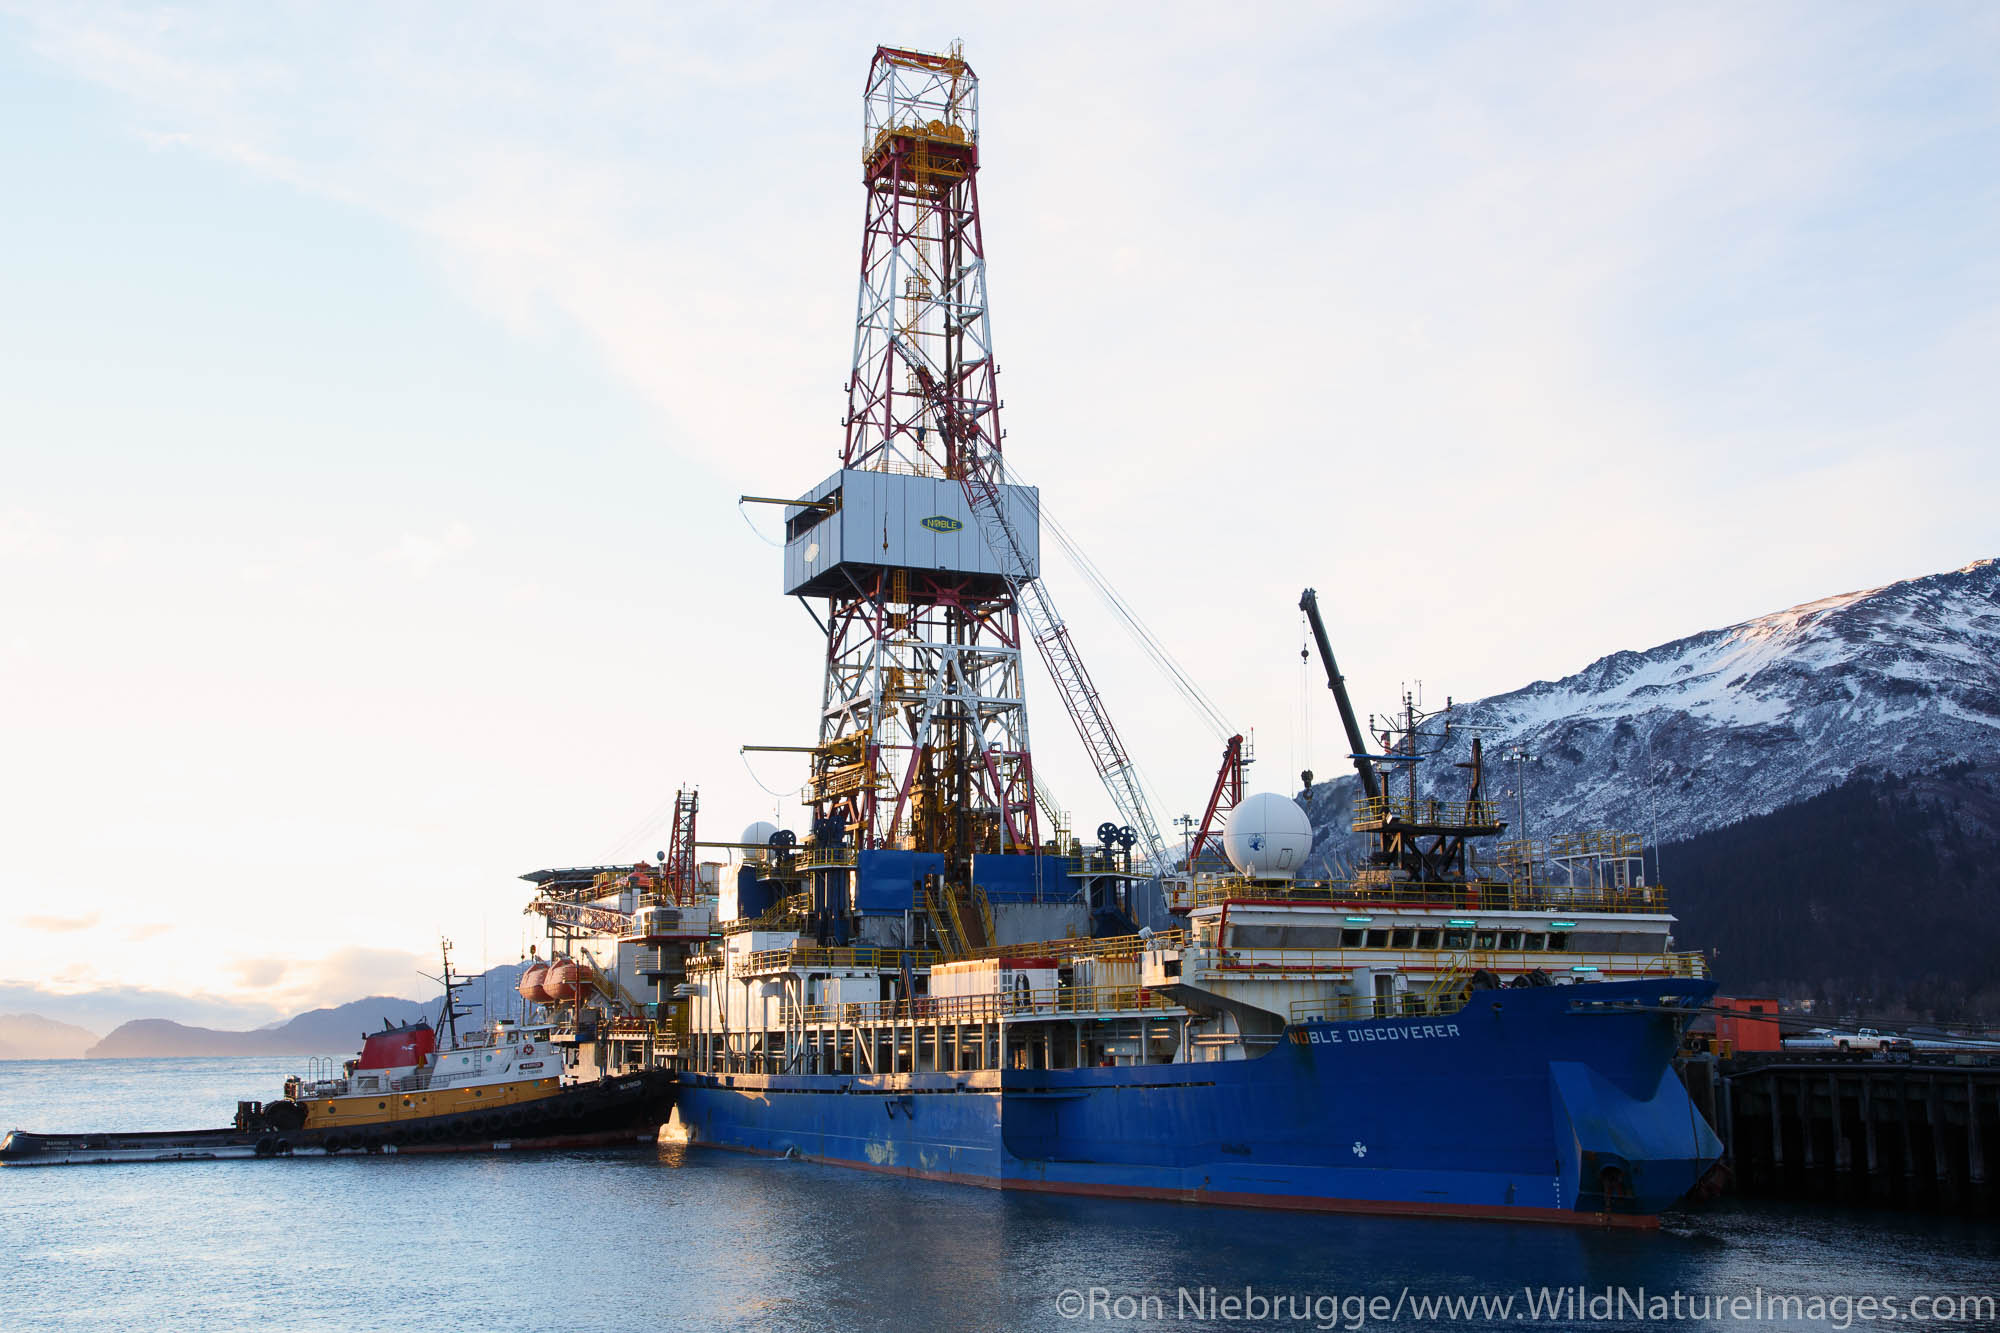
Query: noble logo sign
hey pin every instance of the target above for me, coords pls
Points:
(942, 523)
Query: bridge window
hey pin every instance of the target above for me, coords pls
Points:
(1534, 940)
(1510, 939)
(1427, 939)
(1285, 937)
(1402, 939)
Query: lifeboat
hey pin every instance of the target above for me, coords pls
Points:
(531, 984)
(564, 982)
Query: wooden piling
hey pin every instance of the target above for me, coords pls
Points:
(1941, 1118)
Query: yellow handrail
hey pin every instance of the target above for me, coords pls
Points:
(1052, 1002)
(818, 956)
(1115, 946)
(1374, 811)
(823, 858)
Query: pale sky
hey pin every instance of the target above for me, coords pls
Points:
(376, 386)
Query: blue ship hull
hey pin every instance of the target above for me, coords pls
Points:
(1552, 1104)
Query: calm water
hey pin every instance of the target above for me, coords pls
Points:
(671, 1238)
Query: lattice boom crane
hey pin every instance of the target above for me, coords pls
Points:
(1059, 653)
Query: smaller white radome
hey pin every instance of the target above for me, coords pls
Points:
(757, 835)
(1267, 836)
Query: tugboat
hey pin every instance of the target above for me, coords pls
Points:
(510, 1085)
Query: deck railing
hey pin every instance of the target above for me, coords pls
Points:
(826, 858)
(1342, 1008)
(1054, 1002)
(1248, 963)
(819, 958)
(1116, 946)
(1372, 812)
(1445, 896)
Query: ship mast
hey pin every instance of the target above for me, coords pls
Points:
(449, 1012)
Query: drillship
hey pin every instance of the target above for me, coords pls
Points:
(935, 978)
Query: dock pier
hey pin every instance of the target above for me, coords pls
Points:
(1854, 1131)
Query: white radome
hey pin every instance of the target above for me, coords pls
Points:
(1267, 836)
(757, 835)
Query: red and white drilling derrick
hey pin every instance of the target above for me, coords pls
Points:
(923, 739)
(929, 558)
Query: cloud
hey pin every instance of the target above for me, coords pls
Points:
(1451, 232)
(60, 924)
(273, 989)
(259, 973)
(102, 1008)
(297, 984)
(422, 555)
(558, 170)
(349, 974)
(28, 534)
(151, 930)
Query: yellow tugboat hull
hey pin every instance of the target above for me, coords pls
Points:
(392, 1107)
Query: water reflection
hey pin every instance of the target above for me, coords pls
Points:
(679, 1237)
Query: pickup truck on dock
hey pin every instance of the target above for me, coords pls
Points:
(1861, 1041)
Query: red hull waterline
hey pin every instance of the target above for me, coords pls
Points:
(1282, 1202)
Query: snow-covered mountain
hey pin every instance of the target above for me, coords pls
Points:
(1708, 730)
